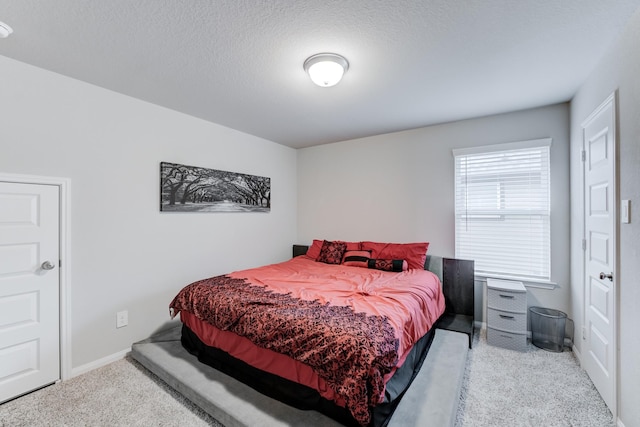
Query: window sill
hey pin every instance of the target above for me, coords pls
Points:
(527, 282)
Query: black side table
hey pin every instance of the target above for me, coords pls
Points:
(458, 286)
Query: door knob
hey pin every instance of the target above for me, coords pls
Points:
(47, 265)
(606, 276)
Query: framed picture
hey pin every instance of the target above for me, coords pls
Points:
(194, 189)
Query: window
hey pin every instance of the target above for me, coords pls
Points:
(502, 209)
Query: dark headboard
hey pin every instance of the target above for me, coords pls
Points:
(299, 250)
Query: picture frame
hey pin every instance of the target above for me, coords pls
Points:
(186, 188)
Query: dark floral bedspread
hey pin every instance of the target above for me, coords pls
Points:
(351, 351)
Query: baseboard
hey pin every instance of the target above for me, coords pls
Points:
(99, 363)
(577, 354)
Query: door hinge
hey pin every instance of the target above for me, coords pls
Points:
(584, 244)
(584, 155)
(584, 333)
(60, 263)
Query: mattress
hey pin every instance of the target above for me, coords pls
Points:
(341, 332)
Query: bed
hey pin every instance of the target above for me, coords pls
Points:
(344, 337)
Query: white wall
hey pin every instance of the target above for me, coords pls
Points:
(126, 255)
(399, 187)
(618, 70)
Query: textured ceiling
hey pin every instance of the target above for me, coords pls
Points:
(239, 62)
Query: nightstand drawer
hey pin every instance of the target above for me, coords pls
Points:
(507, 340)
(507, 320)
(507, 300)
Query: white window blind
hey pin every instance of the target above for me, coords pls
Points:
(502, 209)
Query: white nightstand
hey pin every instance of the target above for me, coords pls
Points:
(507, 314)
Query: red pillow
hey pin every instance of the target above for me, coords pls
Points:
(356, 258)
(414, 253)
(332, 252)
(314, 249)
(351, 246)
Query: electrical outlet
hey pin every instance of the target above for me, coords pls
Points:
(122, 319)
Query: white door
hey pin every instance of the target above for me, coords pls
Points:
(599, 351)
(29, 288)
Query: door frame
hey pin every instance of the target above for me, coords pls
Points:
(64, 185)
(613, 100)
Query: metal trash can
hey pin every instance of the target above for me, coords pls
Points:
(547, 328)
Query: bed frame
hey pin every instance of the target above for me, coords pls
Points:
(431, 400)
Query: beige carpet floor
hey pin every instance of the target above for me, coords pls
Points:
(501, 388)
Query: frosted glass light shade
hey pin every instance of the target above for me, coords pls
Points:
(326, 69)
(5, 30)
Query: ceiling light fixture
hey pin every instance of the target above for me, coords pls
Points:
(5, 30)
(326, 69)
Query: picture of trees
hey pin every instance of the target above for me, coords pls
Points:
(195, 189)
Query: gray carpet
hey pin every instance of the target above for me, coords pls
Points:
(501, 388)
(122, 393)
(529, 389)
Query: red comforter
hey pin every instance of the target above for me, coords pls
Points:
(352, 326)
